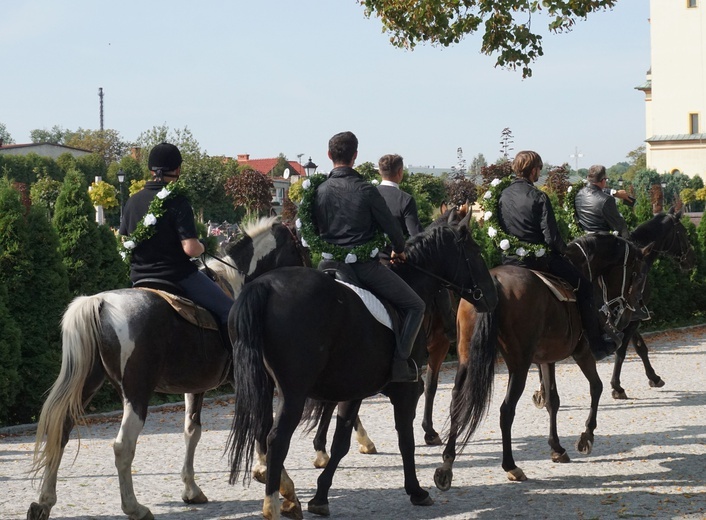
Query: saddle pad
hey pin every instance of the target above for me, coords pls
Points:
(375, 306)
(187, 309)
(560, 288)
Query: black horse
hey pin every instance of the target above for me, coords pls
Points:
(531, 325)
(135, 339)
(315, 339)
(670, 238)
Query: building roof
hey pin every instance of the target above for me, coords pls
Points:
(267, 165)
(676, 137)
(646, 86)
(35, 145)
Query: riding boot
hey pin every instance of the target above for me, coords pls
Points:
(448, 316)
(602, 343)
(404, 369)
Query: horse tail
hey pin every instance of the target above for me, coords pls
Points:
(80, 335)
(252, 385)
(474, 381)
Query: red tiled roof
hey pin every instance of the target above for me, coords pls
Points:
(34, 145)
(267, 165)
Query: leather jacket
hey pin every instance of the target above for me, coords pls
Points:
(348, 211)
(527, 213)
(596, 211)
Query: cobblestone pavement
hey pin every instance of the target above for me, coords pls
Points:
(648, 459)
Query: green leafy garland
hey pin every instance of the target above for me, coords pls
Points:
(508, 244)
(317, 244)
(570, 209)
(146, 227)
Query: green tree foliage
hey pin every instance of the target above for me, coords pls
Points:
(44, 193)
(107, 144)
(505, 24)
(250, 189)
(56, 135)
(637, 161)
(28, 168)
(103, 194)
(181, 138)
(428, 186)
(91, 166)
(10, 341)
(5, 135)
(369, 171)
(113, 272)
(282, 164)
(205, 179)
(74, 220)
(477, 164)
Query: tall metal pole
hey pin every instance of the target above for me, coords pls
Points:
(100, 95)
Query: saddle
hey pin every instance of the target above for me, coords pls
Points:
(560, 288)
(173, 295)
(341, 272)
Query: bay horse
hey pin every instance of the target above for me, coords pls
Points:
(313, 338)
(136, 340)
(670, 238)
(530, 325)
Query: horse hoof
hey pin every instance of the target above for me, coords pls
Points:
(443, 478)
(538, 399)
(421, 499)
(147, 516)
(620, 394)
(319, 509)
(320, 461)
(369, 449)
(38, 512)
(584, 445)
(292, 509)
(560, 457)
(657, 384)
(198, 499)
(432, 439)
(516, 475)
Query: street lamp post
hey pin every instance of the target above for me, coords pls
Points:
(121, 179)
(310, 168)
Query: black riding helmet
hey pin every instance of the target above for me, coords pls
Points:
(164, 157)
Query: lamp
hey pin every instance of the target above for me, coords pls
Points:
(310, 168)
(620, 182)
(121, 179)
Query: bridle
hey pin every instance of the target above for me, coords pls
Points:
(678, 239)
(475, 292)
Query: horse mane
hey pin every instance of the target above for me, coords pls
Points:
(648, 231)
(256, 227)
(420, 249)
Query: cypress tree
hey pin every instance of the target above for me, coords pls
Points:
(10, 354)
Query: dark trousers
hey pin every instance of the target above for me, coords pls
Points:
(205, 292)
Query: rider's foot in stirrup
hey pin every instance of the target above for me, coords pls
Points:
(603, 348)
(404, 371)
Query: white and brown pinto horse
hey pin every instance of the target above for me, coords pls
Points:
(136, 340)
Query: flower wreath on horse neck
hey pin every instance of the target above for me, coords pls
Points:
(316, 244)
(146, 227)
(507, 243)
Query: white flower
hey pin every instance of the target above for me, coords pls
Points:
(487, 215)
(129, 244)
(150, 220)
(327, 256)
(492, 232)
(304, 244)
(615, 233)
(487, 195)
(163, 193)
(540, 252)
(306, 184)
(298, 223)
(504, 244)
(375, 182)
(123, 255)
(494, 182)
(374, 252)
(569, 189)
(521, 251)
(351, 258)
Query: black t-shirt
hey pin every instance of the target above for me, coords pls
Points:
(161, 256)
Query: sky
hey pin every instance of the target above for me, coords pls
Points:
(277, 76)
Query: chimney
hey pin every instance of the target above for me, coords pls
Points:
(243, 157)
(136, 153)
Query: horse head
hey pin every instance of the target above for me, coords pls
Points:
(669, 236)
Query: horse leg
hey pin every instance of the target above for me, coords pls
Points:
(404, 399)
(443, 476)
(641, 349)
(192, 434)
(347, 414)
(322, 457)
(515, 387)
(437, 347)
(47, 494)
(278, 441)
(618, 391)
(124, 449)
(552, 404)
(587, 364)
(365, 443)
(539, 398)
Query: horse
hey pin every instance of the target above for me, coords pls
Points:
(135, 339)
(335, 351)
(670, 238)
(530, 325)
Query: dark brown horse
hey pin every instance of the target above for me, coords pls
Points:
(530, 325)
(137, 341)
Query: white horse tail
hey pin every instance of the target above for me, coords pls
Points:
(80, 334)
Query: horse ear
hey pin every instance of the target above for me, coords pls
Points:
(452, 216)
(679, 213)
(647, 249)
(465, 221)
(671, 210)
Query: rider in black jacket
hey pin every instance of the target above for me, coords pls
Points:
(526, 212)
(348, 211)
(596, 209)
